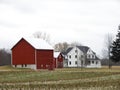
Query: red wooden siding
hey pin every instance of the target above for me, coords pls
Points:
(55, 63)
(58, 62)
(44, 59)
(23, 53)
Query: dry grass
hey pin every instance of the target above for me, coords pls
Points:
(113, 67)
(60, 79)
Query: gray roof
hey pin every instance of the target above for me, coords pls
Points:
(83, 48)
(67, 51)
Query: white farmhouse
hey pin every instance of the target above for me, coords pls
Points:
(81, 56)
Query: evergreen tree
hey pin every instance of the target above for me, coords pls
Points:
(115, 49)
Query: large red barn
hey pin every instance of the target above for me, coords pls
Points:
(32, 53)
(58, 60)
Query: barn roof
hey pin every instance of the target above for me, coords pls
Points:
(56, 54)
(38, 43)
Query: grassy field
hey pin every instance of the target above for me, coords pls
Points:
(60, 79)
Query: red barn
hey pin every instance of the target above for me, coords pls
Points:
(32, 53)
(58, 60)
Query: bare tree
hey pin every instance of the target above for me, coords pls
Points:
(42, 35)
(61, 46)
(107, 47)
(73, 44)
(65, 46)
(37, 34)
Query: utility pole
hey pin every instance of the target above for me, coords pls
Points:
(109, 57)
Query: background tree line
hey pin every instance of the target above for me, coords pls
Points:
(5, 57)
(111, 51)
(62, 46)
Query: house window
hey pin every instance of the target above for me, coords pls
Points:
(75, 56)
(92, 62)
(75, 51)
(88, 62)
(88, 56)
(81, 56)
(70, 62)
(96, 62)
(81, 62)
(69, 56)
(75, 62)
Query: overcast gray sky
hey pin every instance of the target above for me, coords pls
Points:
(84, 21)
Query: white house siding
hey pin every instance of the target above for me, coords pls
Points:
(65, 64)
(94, 64)
(75, 61)
(31, 66)
(90, 54)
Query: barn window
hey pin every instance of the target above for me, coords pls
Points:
(70, 62)
(25, 65)
(15, 65)
(22, 65)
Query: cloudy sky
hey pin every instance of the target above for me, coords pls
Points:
(83, 21)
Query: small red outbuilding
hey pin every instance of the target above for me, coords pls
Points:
(32, 53)
(58, 60)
